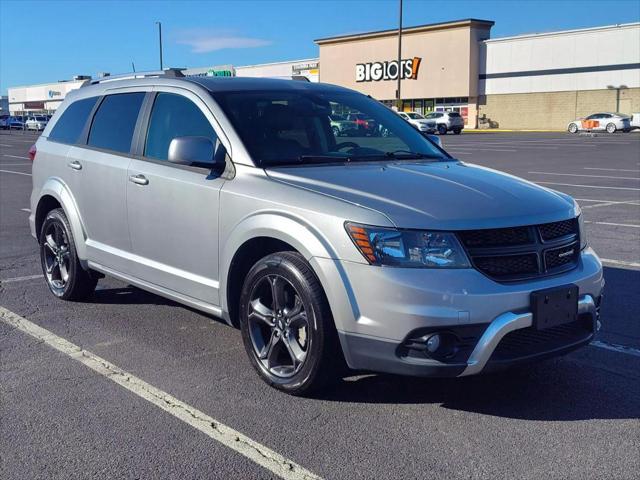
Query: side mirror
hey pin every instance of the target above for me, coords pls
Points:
(435, 139)
(197, 151)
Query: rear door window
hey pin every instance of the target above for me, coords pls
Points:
(115, 121)
(174, 116)
(69, 126)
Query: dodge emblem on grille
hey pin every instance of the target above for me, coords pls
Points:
(566, 254)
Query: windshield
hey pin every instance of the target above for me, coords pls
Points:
(415, 116)
(294, 128)
(41, 119)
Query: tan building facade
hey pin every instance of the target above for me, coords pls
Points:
(439, 68)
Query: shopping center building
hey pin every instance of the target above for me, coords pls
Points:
(531, 81)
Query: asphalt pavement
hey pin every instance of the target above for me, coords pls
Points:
(577, 416)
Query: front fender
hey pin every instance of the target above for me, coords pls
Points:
(295, 231)
(56, 188)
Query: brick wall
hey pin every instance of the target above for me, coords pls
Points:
(553, 110)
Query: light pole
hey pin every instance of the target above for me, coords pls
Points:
(617, 89)
(160, 41)
(398, 94)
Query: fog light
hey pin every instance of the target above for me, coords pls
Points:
(441, 345)
(433, 343)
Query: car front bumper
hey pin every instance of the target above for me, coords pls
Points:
(381, 313)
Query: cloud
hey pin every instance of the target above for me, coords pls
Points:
(204, 41)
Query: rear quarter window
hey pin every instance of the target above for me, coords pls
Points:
(114, 122)
(69, 126)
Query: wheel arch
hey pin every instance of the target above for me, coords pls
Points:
(55, 194)
(257, 236)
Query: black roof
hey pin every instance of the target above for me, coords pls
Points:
(233, 84)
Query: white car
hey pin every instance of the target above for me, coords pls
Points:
(418, 121)
(36, 123)
(609, 122)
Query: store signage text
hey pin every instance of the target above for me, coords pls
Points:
(54, 93)
(219, 73)
(376, 71)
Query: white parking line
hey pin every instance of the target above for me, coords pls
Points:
(630, 202)
(583, 175)
(19, 279)
(254, 451)
(15, 156)
(612, 169)
(5, 145)
(588, 186)
(614, 224)
(611, 261)
(616, 348)
(608, 204)
(28, 210)
(14, 164)
(17, 173)
(483, 149)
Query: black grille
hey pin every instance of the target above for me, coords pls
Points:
(518, 253)
(530, 341)
(496, 236)
(550, 231)
(503, 266)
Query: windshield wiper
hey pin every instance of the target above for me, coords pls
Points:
(407, 154)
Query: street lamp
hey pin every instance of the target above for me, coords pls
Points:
(398, 95)
(617, 89)
(160, 41)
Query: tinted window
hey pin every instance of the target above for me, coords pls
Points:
(454, 114)
(115, 120)
(70, 125)
(292, 127)
(174, 116)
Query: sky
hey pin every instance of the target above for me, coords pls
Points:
(45, 41)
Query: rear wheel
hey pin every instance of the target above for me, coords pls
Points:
(286, 324)
(60, 264)
(573, 128)
(442, 129)
(611, 128)
(457, 131)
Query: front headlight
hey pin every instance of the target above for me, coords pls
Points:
(408, 248)
(582, 232)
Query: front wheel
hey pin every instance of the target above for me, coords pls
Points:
(286, 325)
(442, 129)
(573, 128)
(611, 128)
(60, 264)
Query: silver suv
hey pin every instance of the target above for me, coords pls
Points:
(235, 197)
(447, 122)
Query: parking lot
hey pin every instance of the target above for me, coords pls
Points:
(181, 372)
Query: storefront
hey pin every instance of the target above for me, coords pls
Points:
(438, 70)
(41, 99)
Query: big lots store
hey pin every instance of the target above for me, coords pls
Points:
(438, 68)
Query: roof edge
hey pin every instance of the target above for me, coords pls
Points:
(412, 29)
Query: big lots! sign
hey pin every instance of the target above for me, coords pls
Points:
(376, 71)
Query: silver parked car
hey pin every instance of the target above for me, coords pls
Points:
(609, 122)
(447, 122)
(36, 123)
(234, 196)
(418, 121)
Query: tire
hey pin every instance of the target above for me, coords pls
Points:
(299, 325)
(573, 128)
(457, 131)
(442, 129)
(626, 130)
(611, 128)
(62, 270)
(336, 131)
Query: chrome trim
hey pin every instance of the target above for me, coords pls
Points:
(502, 325)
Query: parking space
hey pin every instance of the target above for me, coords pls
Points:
(570, 417)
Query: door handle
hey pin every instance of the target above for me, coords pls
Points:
(76, 165)
(139, 179)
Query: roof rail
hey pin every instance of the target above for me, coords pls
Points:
(166, 73)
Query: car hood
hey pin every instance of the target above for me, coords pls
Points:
(439, 195)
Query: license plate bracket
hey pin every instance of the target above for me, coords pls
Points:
(554, 306)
